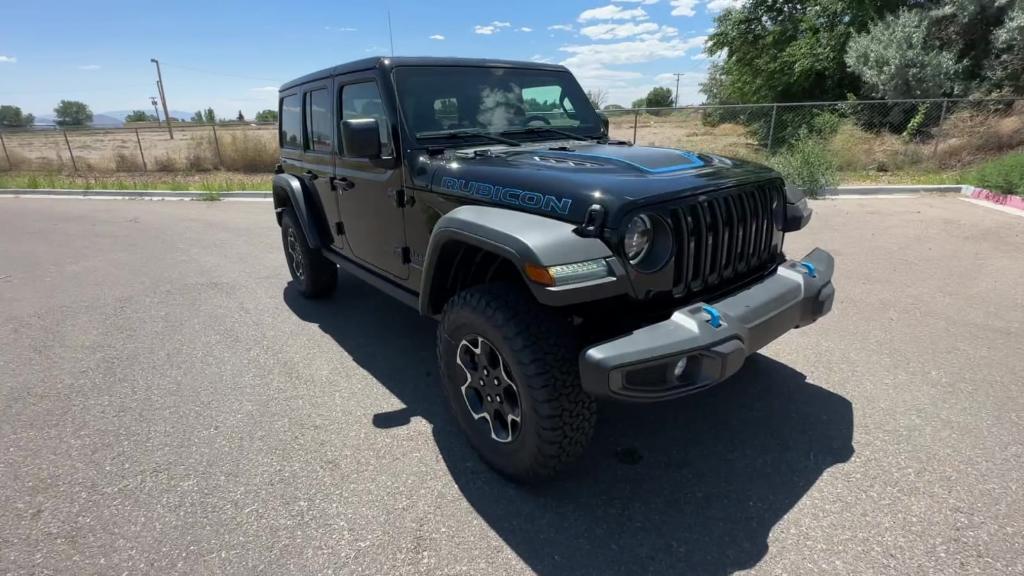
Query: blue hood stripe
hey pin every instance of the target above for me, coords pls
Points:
(694, 161)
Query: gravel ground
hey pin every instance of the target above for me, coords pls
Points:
(169, 405)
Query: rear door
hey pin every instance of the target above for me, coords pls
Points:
(318, 154)
(373, 221)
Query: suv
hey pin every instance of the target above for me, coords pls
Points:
(563, 266)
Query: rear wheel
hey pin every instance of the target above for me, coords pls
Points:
(315, 276)
(509, 368)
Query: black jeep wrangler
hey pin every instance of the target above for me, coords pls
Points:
(562, 265)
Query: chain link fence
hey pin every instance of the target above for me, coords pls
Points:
(877, 136)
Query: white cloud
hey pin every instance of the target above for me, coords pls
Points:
(540, 58)
(685, 7)
(701, 56)
(485, 30)
(613, 12)
(562, 27)
(719, 5)
(500, 24)
(640, 1)
(8, 59)
(630, 52)
(615, 31)
(437, 37)
(264, 89)
(525, 29)
(89, 67)
(339, 29)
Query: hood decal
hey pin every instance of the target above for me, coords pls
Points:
(511, 196)
(666, 160)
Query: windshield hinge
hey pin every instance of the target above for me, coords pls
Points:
(401, 199)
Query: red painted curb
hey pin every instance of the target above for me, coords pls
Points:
(1008, 200)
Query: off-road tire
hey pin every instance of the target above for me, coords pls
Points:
(315, 276)
(541, 352)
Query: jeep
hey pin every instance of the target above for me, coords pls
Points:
(563, 266)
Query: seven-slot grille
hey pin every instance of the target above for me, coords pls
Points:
(727, 237)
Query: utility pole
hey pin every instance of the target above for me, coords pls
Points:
(163, 96)
(152, 100)
(391, 37)
(675, 103)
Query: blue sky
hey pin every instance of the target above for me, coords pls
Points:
(232, 55)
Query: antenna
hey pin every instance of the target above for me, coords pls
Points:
(391, 37)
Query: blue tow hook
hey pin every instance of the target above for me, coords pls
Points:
(714, 318)
(811, 270)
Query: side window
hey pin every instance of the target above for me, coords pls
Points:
(318, 121)
(363, 101)
(291, 122)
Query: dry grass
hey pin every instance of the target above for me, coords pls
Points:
(201, 181)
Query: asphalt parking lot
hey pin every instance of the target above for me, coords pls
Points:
(168, 404)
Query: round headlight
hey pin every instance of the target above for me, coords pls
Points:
(637, 239)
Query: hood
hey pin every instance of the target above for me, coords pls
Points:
(563, 179)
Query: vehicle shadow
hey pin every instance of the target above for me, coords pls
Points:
(693, 485)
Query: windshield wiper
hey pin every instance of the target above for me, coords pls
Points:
(465, 133)
(536, 129)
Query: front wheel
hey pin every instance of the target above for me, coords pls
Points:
(510, 371)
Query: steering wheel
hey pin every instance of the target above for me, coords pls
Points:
(537, 118)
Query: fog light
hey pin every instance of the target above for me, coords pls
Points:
(679, 370)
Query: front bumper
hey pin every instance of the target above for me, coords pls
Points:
(645, 365)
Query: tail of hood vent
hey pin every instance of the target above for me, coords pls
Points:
(642, 159)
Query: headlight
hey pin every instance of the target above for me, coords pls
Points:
(637, 239)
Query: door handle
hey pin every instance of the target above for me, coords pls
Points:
(342, 184)
(312, 175)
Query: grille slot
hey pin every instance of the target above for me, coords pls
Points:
(726, 237)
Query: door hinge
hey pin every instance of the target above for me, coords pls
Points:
(404, 253)
(339, 228)
(401, 198)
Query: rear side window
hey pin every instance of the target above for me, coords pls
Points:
(363, 101)
(318, 121)
(291, 122)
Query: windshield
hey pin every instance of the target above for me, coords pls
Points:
(458, 101)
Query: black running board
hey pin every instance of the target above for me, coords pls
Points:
(374, 279)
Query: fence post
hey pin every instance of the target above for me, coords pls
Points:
(6, 155)
(141, 154)
(771, 129)
(942, 118)
(636, 120)
(216, 144)
(70, 153)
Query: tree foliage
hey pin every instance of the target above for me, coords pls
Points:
(198, 117)
(597, 97)
(209, 116)
(897, 59)
(12, 116)
(72, 113)
(139, 116)
(659, 97)
(267, 115)
(240, 117)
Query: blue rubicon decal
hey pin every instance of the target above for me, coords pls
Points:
(511, 196)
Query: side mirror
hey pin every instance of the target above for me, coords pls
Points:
(360, 138)
(605, 123)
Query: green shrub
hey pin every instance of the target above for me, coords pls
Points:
(808, 164)
(1004, 175)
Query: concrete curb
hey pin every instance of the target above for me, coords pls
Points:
(880, 190)
(183, 194)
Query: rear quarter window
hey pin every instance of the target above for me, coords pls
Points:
(291, 122)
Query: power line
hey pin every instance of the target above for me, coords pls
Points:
(225, 74)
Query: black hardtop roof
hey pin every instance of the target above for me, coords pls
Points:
(391, 62)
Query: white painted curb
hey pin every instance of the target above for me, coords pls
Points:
(880, 190)
(121, 194)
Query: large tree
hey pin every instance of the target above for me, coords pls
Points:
(788, 50)
(139, 116)
(267, 115)
(897, 58)
(72, 113)
(13, 116)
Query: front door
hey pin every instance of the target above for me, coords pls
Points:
(374, 224)
(318, 150)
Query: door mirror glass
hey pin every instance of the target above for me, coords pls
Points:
(360, 138)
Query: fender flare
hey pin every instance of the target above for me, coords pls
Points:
(307, 208)
(521, 238)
